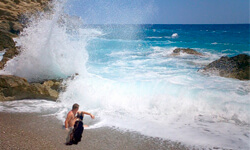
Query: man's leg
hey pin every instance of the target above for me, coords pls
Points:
(68, 137)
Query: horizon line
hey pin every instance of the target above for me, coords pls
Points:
(167, 24)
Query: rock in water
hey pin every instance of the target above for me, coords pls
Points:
(177, 52)
(16, 88)
(232, 67)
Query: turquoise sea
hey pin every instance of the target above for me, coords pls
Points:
(148, 44)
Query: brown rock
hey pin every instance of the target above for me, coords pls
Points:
(231, 67)
(177, 52)
(8, 45)
(54, 84)
(16, 88)
(6, 40)
(48, 83)
(13, 18)
(4, 25)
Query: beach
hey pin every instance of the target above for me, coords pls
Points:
(37, 131)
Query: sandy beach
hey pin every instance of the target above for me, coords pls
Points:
(36, 131)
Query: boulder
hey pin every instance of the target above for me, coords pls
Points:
(189, 51)
(54, 84)
(17, 88)
(232, 67)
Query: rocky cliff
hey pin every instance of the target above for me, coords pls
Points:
(13, 13)
(13, 18)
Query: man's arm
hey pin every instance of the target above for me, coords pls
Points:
(92, 116)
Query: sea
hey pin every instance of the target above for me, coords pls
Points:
(127, 77)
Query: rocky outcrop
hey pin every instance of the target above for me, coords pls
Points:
(232, 67)
(16, 88)
(8, 45)
(189, 51)
(13, 13)
(13, 18)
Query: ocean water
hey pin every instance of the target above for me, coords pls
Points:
(129, 80)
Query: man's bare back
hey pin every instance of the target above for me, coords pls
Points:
(71, 119)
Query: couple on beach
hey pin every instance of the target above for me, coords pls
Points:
(74, 124)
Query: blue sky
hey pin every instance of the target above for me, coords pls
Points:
(161, 11)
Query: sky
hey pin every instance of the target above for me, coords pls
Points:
(160, 11)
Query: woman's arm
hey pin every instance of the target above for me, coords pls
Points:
(92, 116)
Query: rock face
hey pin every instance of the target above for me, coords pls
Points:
(233, 67)
(177, 52)
(8, 45)
(12, 13)
(16, 88)
(13, 18)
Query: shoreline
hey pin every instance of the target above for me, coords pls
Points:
(37, 131)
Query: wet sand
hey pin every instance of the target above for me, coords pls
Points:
(36, 131)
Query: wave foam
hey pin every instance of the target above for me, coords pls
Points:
(51, 48)
(30, 106)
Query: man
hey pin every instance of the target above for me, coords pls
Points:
(71, 119)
